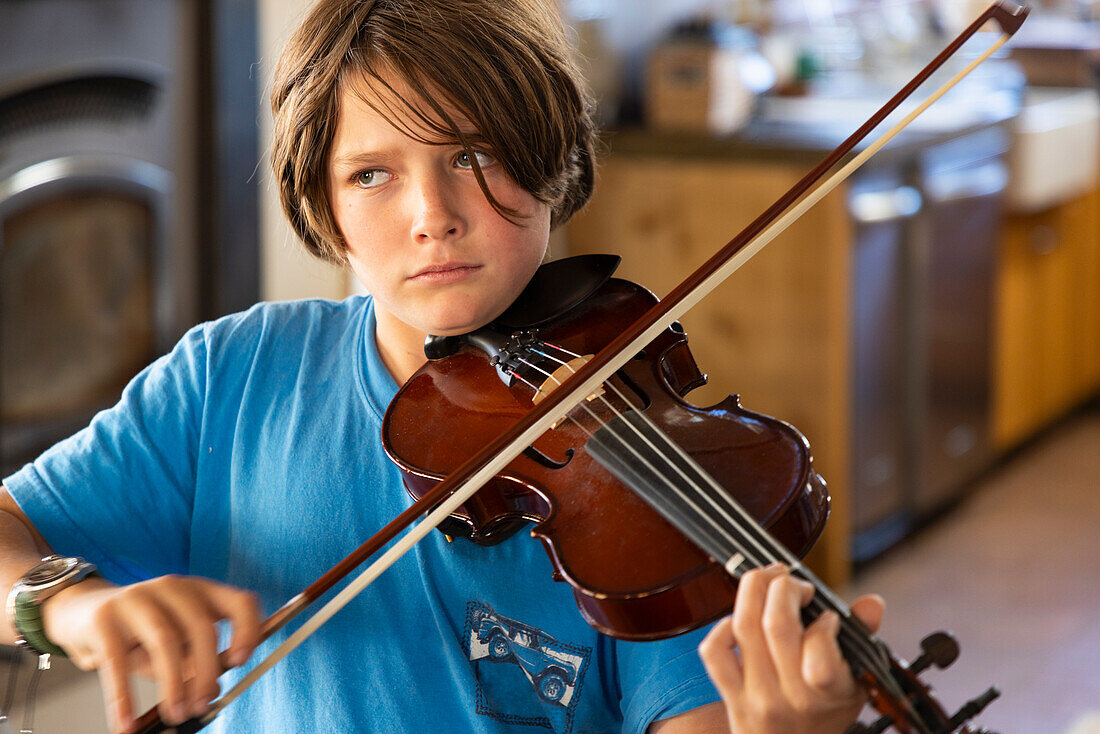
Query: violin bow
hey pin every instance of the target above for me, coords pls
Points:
(460, 485)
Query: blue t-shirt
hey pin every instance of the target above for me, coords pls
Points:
(251, 454)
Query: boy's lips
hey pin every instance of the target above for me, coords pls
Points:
(445, 272)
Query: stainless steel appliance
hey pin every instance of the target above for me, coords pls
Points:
(883, 207)
(926, 229)
(127, 143)
(963, 183)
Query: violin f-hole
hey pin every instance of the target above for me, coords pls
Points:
(540, 458)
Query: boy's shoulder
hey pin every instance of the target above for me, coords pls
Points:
(281, 330)
(283, 318)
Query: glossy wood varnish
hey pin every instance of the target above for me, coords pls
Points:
(634, 575)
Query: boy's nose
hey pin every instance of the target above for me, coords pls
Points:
(437, 217)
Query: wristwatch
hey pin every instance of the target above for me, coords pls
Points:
(50, 576)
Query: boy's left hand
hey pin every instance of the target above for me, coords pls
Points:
(783, 677)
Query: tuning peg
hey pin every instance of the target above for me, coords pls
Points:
(939, 649)
(972, 708)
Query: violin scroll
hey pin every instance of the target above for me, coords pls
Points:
(939, 649)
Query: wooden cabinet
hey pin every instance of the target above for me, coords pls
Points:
(1047, 347)
(777, 331)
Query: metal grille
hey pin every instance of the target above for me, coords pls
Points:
(105, 99)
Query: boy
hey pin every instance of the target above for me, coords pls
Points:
(430, 147)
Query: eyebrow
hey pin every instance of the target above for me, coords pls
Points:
(362, 157)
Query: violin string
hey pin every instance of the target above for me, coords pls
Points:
(858, 644)
(779, 553)
(693, 521)
(868, 658)
(751, 550)
(868, 652)
(864, 649)
(748, 523)
(823, 598)
(759, 555)
(871, 656)
(861, 643)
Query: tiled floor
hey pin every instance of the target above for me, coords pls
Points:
(1014, 572)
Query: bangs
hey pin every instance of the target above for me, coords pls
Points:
(417, 116)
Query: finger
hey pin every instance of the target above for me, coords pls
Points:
(719, 654)
(242, 609)
(137, 660)
(748, 612)
(782, 624)
(823, 667)
(870, 609)
(195, 617)
(114, 679)
(155, 631)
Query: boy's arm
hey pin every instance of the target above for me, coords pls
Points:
(708, 719)
(21, 548)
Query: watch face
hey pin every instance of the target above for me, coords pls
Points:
(50, 570)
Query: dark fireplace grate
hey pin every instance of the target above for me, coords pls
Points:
(128, 214)
(111, 99)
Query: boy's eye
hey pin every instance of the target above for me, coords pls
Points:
(462, 160)
(370, 178)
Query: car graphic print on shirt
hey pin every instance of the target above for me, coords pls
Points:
(507, 653)
(551, 672)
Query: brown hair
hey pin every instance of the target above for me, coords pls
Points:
(504, 64)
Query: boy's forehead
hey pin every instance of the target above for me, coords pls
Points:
(394, 98)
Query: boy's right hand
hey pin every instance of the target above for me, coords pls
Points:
(164, 628)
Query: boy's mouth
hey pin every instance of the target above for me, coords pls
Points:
(445, 272)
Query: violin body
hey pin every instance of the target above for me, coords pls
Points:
(634, 575)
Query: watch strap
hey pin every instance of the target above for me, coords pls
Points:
(30, 625)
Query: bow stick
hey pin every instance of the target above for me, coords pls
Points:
(452, 492)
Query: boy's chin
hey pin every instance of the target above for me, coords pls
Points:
(455, 322)
(453, 327)
(457, 329)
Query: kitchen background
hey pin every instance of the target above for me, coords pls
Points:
(932, 326)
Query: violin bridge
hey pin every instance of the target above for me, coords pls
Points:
(559, 376)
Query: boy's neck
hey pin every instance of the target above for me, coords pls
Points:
(400, 346)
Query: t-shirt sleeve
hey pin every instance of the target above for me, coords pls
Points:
(662, 679)
(120, 492)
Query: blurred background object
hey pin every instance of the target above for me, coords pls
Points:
(705, 76)
(127, 141)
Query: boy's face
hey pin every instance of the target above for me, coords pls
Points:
(421, 236)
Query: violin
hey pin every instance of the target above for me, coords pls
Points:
(593, 481)
(572, 415)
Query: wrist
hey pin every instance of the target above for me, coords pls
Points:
(57, 606)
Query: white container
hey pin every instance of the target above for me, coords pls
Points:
(1055, 153)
